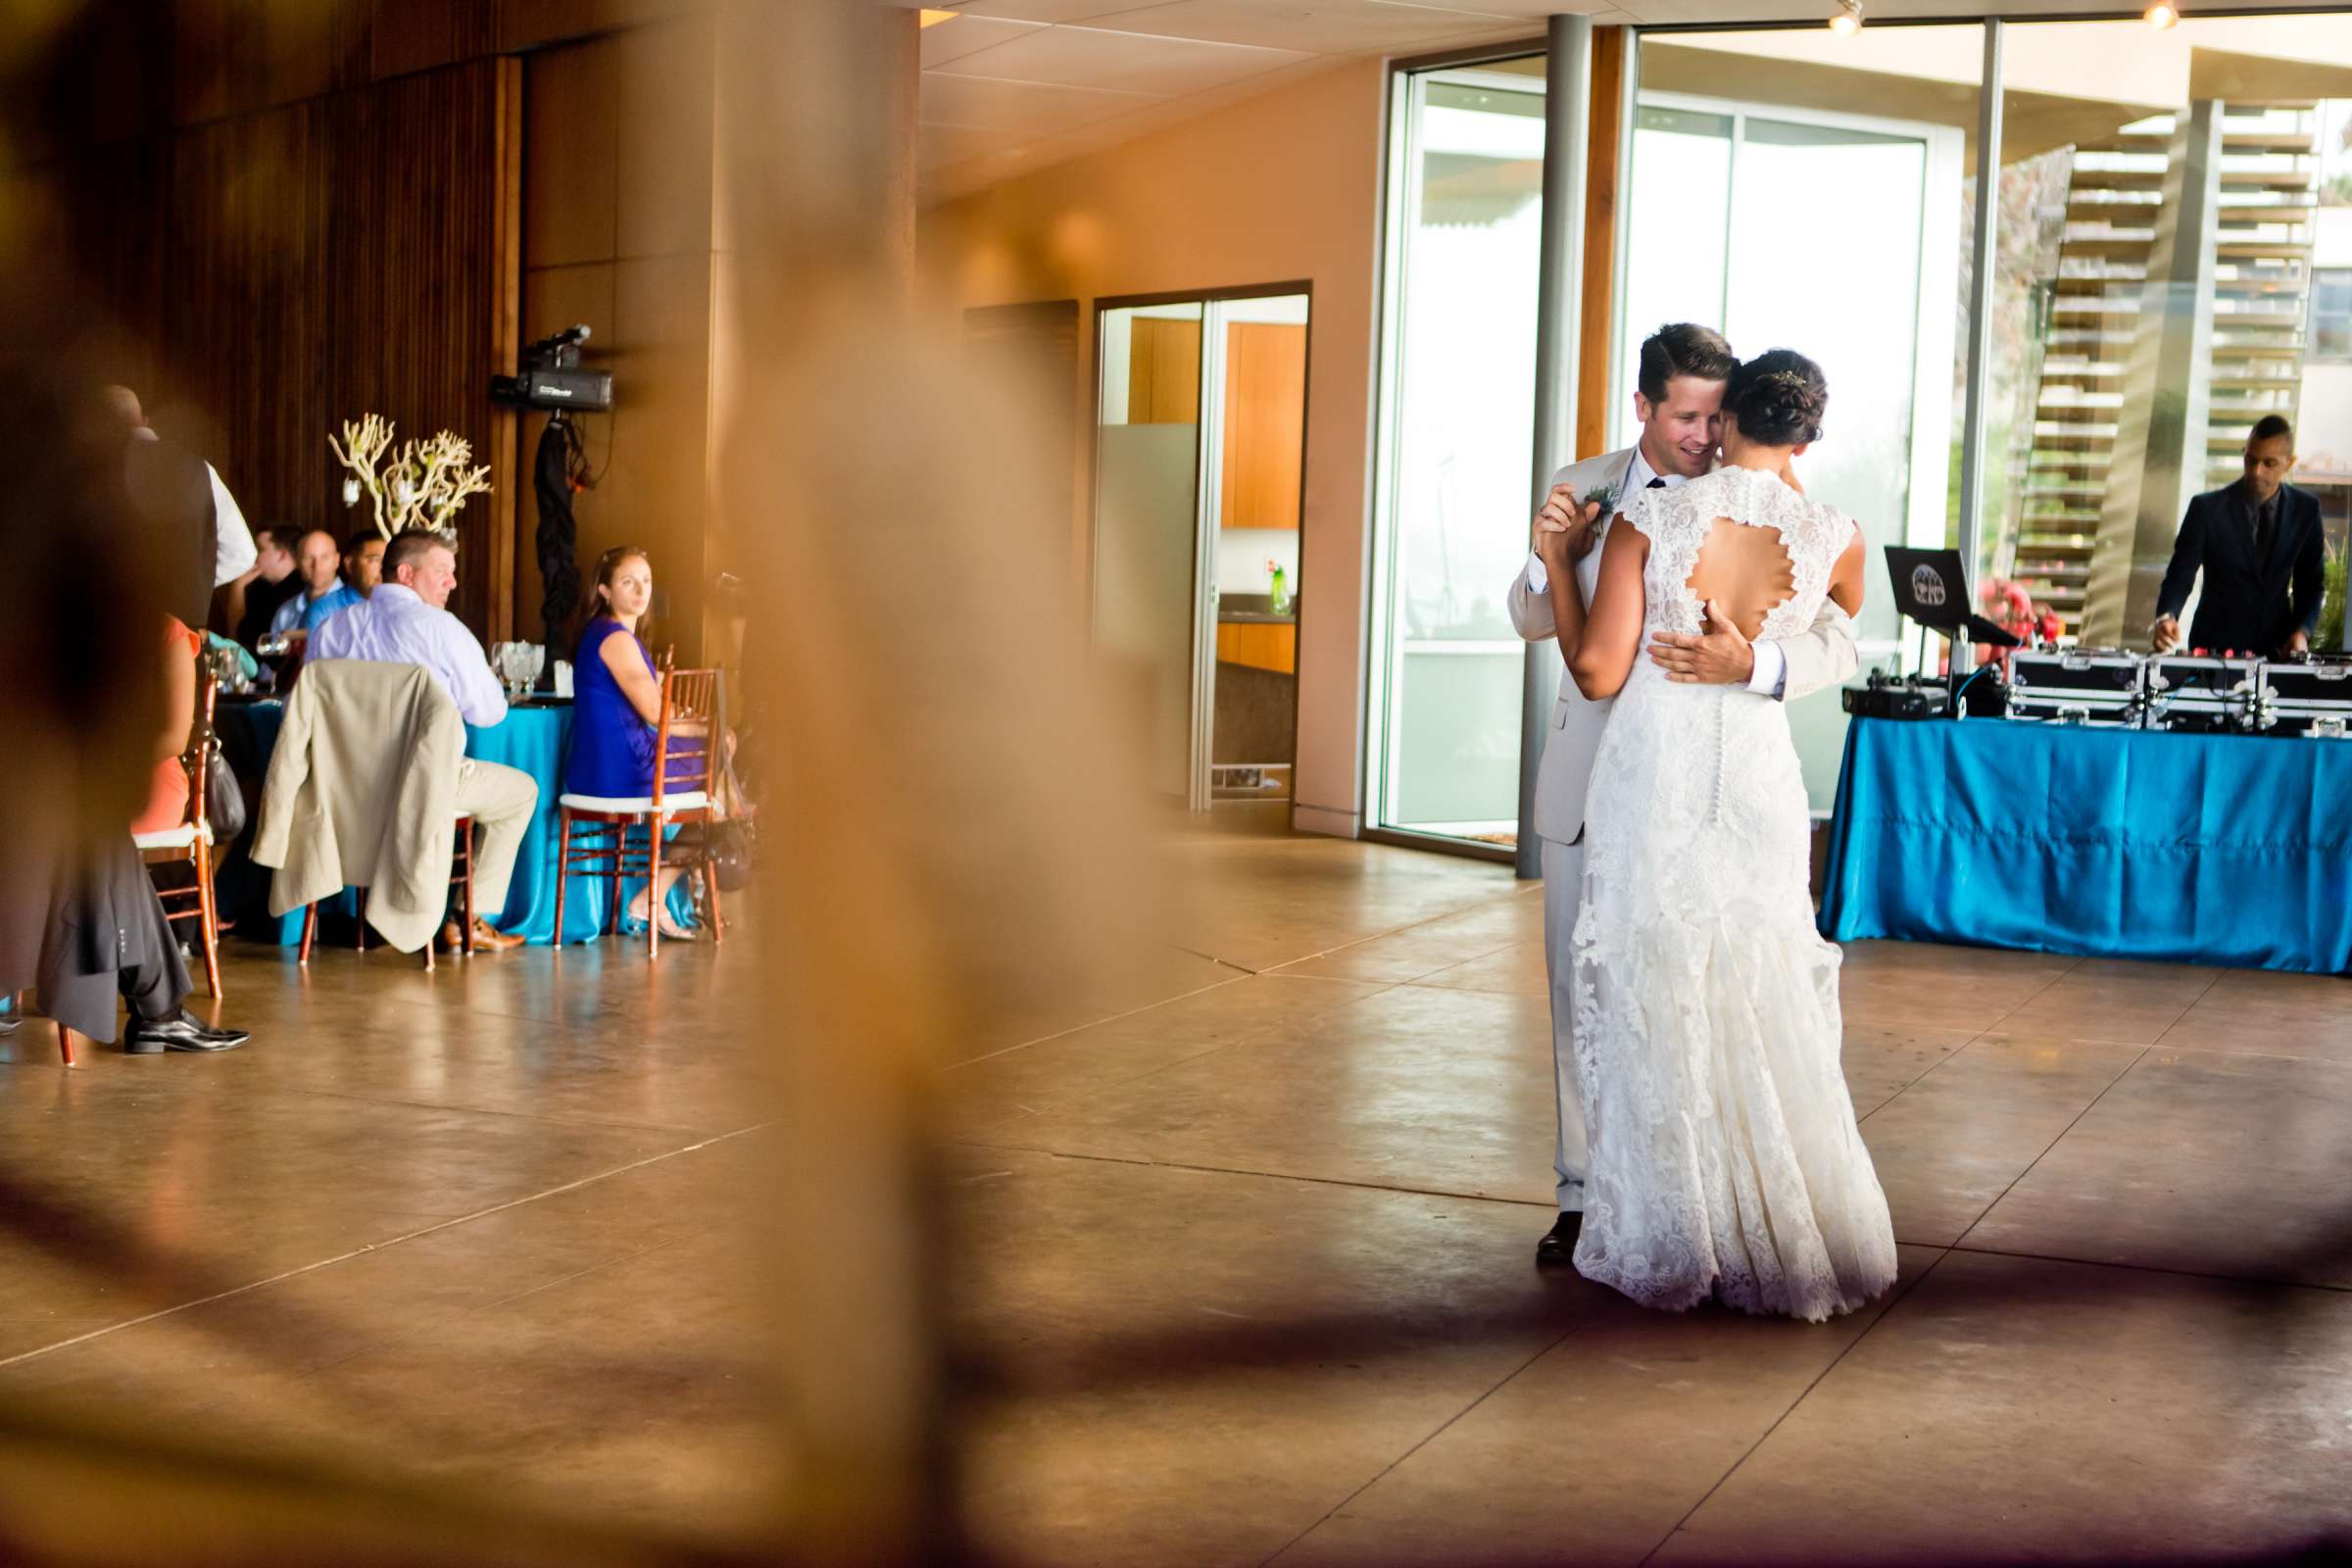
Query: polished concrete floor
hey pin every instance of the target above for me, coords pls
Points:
(1244, 1261)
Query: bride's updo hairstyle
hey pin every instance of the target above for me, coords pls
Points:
(1777, 397)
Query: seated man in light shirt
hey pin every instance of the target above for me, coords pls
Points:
(406, 621)
(363, 570)
(318, 563)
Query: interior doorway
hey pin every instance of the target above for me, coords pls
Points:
(1200, 466)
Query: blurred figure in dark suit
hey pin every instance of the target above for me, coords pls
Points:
(78, 915)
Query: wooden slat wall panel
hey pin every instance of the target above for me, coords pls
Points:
(281, 270)
(242, 328)
(415, 274)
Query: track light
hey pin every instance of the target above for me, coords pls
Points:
(1849, 19)
(2161, 15)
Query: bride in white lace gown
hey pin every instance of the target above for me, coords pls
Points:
(1725, 1155)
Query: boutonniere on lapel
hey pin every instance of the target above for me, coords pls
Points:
(1605, 495)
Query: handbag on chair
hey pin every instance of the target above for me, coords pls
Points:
(223, 801)
(731, 841)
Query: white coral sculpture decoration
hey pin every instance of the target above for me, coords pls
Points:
(421, 486)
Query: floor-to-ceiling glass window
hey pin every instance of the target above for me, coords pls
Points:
(2193, 207)
(1457, 411)
(1797, 189)
(2166, 266)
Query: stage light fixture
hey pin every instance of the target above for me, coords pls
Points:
(2161, 15)
(1849, 19)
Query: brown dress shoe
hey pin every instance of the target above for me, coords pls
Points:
(486, 937)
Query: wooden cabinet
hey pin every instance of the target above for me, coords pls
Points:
(1163, 370)
(1266, 406)
(1266, 423)
(1262, 645)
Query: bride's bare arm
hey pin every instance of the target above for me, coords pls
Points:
(1848, 575)
(1599, 644)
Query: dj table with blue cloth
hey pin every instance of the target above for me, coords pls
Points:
(533, 739)
(2228, 850)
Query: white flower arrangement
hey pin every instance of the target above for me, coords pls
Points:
(422, 486)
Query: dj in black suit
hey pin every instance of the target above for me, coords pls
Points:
(2260, 545)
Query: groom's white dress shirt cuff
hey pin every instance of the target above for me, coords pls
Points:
(1538, 580)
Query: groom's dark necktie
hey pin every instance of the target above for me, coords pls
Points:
(1656, 483)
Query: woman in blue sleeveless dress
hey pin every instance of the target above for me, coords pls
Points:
(617, 708)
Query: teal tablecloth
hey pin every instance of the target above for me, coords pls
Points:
(2108, 842)
(533, 739)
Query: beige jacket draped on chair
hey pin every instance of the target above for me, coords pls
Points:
(362, 791)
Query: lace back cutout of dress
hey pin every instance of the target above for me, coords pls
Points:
(1679, 523)
(1749, 569)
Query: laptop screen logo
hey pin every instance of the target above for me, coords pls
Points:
(1927, 586)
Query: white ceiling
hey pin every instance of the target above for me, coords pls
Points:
(1012, 85)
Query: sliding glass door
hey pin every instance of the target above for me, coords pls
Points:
(1198, 483)
(1458, 410)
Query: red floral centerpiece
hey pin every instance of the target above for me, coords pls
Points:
(2009, 606)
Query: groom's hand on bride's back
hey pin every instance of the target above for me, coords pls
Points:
(1573, 528)
(1720, 657)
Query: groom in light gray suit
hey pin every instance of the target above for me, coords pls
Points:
(1680, 392)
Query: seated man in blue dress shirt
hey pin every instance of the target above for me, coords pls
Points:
(318, 562)
(405, 620)
(363, 570)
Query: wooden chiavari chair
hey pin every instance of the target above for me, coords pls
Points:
(460, 877)
(592, 835)
(191, 842)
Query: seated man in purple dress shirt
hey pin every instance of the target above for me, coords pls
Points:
(406, 621)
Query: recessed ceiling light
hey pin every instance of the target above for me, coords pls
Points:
(1849, 19)
(2161, 15)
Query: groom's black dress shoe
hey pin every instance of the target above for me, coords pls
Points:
(150, 1035)
(1558, 1249)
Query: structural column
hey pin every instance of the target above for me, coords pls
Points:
(1567, 109)
(1984, 260)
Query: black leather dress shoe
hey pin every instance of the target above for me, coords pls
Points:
(1557, 1249)
(150, 1035)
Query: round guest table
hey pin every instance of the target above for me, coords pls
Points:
(2228, 850)
(534, 737)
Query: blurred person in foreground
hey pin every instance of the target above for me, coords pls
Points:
(405, 620)
(108, 930)
(102, 930)
(154, 467)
